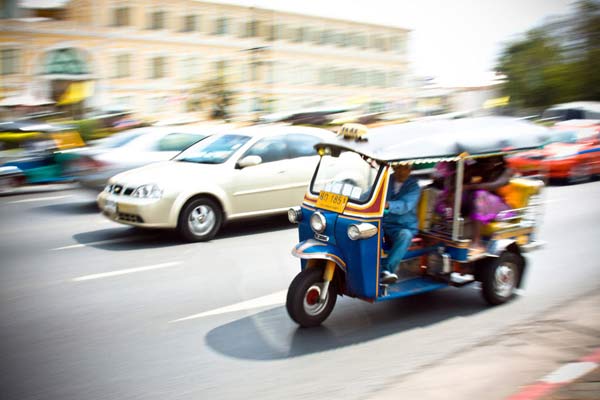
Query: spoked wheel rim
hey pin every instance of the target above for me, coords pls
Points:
(505, 278)
(312, 304)
(202, 220)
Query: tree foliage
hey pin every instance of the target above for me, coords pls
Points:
(214, 95)
(557, 62)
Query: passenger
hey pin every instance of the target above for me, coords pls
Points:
(400, 222)
(480, 202)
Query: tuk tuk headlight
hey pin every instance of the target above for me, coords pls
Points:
(361, 231)
(295, 215)
(318, 222)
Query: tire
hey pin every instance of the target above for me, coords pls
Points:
(499, 278)
(200, 220)
(302, 298)
(579, 173)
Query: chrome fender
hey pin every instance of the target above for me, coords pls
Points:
(312, 249)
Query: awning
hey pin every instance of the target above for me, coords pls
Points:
(497, 102)
(76, 93)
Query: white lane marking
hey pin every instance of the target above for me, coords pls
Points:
(38, 199)
(126, 271)
(273, 299)
(75, 246)
(570, 372)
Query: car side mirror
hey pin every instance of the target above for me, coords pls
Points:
(249, 161)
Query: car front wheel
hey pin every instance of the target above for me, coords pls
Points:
(200, 220)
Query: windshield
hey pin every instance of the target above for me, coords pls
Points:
(349, 175)
(572, 136)
(121, 139)
(215, 150)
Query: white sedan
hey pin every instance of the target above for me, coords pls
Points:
(245, 172)
(134, 148)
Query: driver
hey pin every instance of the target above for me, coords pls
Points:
(400, 221)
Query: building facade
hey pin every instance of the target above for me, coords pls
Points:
(159, 57)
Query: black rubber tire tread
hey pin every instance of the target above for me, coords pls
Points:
(182, 226)
(295, 298)
(487, 277)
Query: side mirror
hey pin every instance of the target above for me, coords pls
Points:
(249, 161)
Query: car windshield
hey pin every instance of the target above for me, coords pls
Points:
(349, 175)
(216, 150)
(573, 136)
(120, 139)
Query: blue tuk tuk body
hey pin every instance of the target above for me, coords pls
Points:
(342, 248)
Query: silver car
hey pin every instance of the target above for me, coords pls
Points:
(245, 172)
(134, 148)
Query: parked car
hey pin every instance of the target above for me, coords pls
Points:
(134, 148)
(573, 154)
(573, 110)
(245, 172)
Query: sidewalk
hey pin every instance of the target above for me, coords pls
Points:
(555, 357)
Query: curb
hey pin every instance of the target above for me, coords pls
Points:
(566, 374)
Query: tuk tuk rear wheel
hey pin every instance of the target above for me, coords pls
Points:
(303, 298)
(500, 277)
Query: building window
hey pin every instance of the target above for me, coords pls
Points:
(252, 28)
(221, 26)
(158, 67)
(191, 23)
(360, 41)
(299, 35)
(189, 69)
(158, 20)
(122, 66)
(67, 61)
(121, 16)
(9, 61)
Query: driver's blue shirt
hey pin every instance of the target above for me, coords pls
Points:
(402, 211)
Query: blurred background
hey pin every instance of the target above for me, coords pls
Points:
(94, 309)
(94, 68)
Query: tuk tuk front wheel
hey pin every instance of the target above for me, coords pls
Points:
(500, 277)
(303, 298)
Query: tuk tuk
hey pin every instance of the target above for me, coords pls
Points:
(342, 248)
(38, 150)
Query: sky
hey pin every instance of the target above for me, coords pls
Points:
(457, 42)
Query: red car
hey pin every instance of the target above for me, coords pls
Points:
(573, 155)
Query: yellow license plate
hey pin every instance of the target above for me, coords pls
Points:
(332, 202)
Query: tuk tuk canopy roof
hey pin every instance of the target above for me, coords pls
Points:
(443, 140)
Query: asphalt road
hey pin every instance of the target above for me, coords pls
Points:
(90, 309)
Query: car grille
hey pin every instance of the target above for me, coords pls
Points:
(129, 217)
(120, 190)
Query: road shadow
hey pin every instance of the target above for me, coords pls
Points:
(255, 225)
(123, 238)
(272, 335)
(127, 238)
(71, 208)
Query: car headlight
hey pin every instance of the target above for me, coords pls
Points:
(149, 191)
(318, 222)
(295, 215)
(108, 188)
(361, 231)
